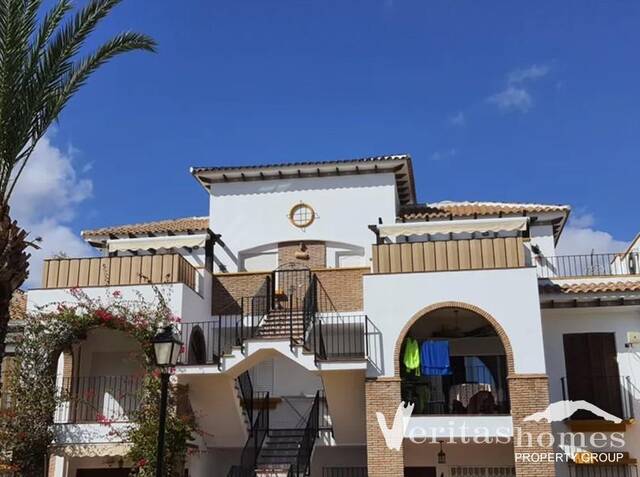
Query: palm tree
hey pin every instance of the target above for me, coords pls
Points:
(40, 70)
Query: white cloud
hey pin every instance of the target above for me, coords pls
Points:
(45, 200)
(580, 237)
(443, 155)
(512, 99)
(515, 96)
(532, 72)
(457, 119)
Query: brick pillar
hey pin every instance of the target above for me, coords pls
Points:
(382, 395)
(529, 393)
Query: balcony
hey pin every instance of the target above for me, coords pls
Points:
(611, 394)
(115, 271)
(449, 255)
(343, 337)
(98, 399)
(469, 390)
(592, 265)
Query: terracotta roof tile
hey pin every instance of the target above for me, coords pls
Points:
(591, 287)
(18, 305)
(466, 209)
(162, 226)
(302, 163)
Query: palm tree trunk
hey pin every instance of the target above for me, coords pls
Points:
(14, 264)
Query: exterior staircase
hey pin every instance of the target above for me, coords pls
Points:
(283, 324)
(279, 451)
(292, 310)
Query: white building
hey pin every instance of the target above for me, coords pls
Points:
(298, 295)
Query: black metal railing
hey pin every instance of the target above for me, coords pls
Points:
(246, 395)
(302, 464)
(103, 399)
(206, 342)
(612, 394)
(324, 420)
(289, 284)
(592, 265)
(334, 335)
(302, 302)
(252, 447)
(599, 470)
(344, 472)
(467, 390)
(340, 337)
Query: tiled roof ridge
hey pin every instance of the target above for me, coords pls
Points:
(602, 286)
(388, 157)
(164, 225)
(490, 202)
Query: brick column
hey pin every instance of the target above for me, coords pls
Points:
(529, 393)
(382, 395)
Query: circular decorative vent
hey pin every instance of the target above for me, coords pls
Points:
(302, 215)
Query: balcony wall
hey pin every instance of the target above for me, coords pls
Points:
(449, 255)
(114, 271)
(342, 285)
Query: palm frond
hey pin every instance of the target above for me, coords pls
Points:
(78, 75)
(39, 72)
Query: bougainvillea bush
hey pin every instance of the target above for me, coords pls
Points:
(26, 423)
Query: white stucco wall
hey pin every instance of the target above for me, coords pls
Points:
(509, 296)
(252, 214)
(182, 300)
(542, 236)
(618, 320)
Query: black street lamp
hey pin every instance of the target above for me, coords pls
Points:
(442, 457)
(166, 349)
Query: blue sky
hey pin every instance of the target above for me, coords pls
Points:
(504, 101)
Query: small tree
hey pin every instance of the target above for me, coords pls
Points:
(27, 423)
(40, 70)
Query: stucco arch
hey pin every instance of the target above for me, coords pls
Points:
(453, 305)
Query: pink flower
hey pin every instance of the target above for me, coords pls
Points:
(142, 462)
(102, 419)
(117, 294)
(104, 315)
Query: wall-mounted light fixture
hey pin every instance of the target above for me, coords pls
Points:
(442, 457)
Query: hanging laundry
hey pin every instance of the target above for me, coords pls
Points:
(434, 358)
(412, 357)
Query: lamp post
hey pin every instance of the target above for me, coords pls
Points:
(166, 349)
(442, 457)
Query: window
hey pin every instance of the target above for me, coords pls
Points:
(302, 215)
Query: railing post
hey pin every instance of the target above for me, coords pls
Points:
(630, 398)
(219, 343)
(291, 320)
(366, 336)
(315, 341)
(242, 323)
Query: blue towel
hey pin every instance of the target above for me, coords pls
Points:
(434, 358)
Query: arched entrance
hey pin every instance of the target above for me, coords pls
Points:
(454, 360)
